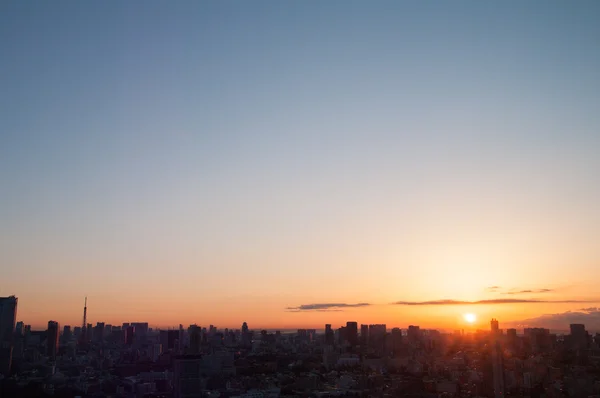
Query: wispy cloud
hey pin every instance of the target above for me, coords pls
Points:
(545, 290)
(325, 307)
(492, 301)
(492, 288)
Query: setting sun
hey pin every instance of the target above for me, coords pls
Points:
(470, 318)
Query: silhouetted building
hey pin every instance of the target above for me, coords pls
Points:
(187, 380)
(329, 335)
(19, 328)
(8, 315)
(413, 334)
(396, 340)
(141, 330)
(195, 339)
(364, 335)
(129, 335)
(497, 361)
(352, 333)
(99, 332)
(579, 336)
(168, 339)
(52, 340)
(67, 334)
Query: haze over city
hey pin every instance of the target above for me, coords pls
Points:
(292, 164)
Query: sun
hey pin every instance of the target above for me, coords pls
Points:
(470, 317)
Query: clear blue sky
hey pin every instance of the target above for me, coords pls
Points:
(242, 145)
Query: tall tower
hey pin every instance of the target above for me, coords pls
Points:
(84, 325)
(497, 362)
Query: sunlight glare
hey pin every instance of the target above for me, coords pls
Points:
(470, 318)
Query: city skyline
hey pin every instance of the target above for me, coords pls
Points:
(469, 321)
(297, 164)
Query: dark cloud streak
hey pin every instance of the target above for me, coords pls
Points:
(492, 301)
(545, 290)
(325, 307)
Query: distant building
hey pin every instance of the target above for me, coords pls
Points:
(352, 333)
(8, 315)
(169, 339)
(129, 335)
(329, 335)
(98, 332)
(187, 380)
(195, 333)
(497, 361)
(66, 334)
(52, 340)
(579, 336)
(20, 328)
(364, 335)
(396, 340)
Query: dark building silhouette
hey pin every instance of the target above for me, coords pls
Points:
(168, 339)
(8, 315)
(578, 337)
(364, 335)
(187, 380)
(52, 340)
(352, 333)
(67, 334)
(99, 332)
(497, 361)
(329, 335)
(396, 340)
(195, 339)
(129, 335)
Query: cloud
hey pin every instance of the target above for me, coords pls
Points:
(545, 290)
(493, 301)
(590, 317)
(492, 288)
(325, 307)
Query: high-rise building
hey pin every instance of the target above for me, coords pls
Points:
(8, 316)
(168, 339)
(20, 328)
(329, 336)
(494, 326)
(52, 340)
(364, 335)
(413, 334)
(67, 334)
(187, 380)
(141, 330)
(352, 333)
(579, 336)
(99, 332)
(129, 335)
(497, 361)
(396, 340)
(195, 339)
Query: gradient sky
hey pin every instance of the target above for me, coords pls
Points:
(219, 162)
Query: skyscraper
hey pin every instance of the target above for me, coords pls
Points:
(52, 340)
(352, 333)
(129, 335)
(329, 336)
(497, 361)
(8, 315)
(364, 335)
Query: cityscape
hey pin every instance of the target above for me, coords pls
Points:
(133, 360)
(299, 198)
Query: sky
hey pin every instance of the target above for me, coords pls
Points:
(280, 162)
